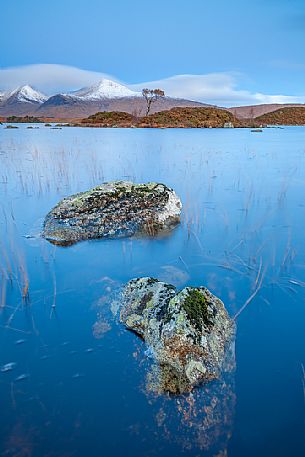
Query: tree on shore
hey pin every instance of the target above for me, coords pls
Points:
(152, 95)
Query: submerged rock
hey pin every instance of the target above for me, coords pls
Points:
(113, 210)
(201, 420)
(189, 333)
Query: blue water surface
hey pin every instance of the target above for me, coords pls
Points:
(77, 385)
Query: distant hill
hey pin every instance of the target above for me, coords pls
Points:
(196, 117)
(251, 112)
(284, 116)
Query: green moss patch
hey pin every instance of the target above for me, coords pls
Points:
(196, 308)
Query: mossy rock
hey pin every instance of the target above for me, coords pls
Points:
(196, 307)
(189, 332)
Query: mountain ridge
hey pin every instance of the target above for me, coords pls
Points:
(106, 95)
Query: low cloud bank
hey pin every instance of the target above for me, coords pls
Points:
(49, 78)
(215, 88)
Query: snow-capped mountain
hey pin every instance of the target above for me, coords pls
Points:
(104, 89)
(21, 101)
(26, 94)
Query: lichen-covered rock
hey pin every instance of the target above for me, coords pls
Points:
(112, 210)
(189, 333)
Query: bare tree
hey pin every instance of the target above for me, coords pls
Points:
(151, 95)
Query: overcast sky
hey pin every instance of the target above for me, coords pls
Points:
(221, 52)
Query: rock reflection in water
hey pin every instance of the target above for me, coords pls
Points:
(202, 419)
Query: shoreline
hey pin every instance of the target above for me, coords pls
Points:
(173, 118)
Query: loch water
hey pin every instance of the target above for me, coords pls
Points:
(73, 380)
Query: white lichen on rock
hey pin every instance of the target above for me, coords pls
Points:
(172, 209)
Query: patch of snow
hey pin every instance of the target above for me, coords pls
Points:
(104, 89)
(3, 96)
(27, 94)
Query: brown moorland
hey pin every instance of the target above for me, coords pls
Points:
(284, 116)
(24, 119)
(199, 117)
(109, 119)
(173, 118)
(254, 111)
(190, 118)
